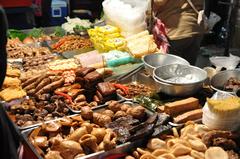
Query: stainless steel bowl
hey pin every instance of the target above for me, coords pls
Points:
(218, 80)
(177, 90)
(179, 74)
(158, 59)
(163, 73)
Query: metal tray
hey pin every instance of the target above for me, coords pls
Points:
(71, 54)
(138, 76)
(125, 148)
(6, 107)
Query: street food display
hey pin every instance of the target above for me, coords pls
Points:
(87, 106)
(92, 131)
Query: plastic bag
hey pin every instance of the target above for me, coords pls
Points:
(221, 122)
(229, 63)
(128, 15)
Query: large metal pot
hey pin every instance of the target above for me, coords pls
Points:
(159, 59)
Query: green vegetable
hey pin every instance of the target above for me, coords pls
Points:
(59, 31)
(79, 28)
(147, 102)
(13, 33)
(36, 32)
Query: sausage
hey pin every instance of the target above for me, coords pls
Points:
(31, 80)
(29, 87)
(44, 76)
(31, 92)
(43, 83)
(51, 87)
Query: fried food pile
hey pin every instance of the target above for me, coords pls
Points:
(30, 111)
(195, 141)
(38, 62)
(16, 49)
(12, 85)
(71, 137)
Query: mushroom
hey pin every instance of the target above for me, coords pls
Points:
(114, 106)
(65, 121)
(52, 128)
(108, 113)
(100, 119)
(125, 107)
(88, 125)
(99, 133)
(89, 141)
(77, 118)
(53, 155)
(156, 143)
(87, 113)
(119, 114)
(41, 141)
(68, 149)
(53, 139)
(109, 140)
(136, 112)
(77, 134)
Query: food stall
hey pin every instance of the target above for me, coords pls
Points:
(93, 90)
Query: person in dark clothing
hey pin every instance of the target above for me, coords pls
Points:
(8, 137)
(43, 20)
(3, 41)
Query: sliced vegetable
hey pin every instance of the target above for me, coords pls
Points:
(125, 89)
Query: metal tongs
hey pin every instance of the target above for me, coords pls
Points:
(128, 74)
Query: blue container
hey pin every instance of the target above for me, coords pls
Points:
(59, 11)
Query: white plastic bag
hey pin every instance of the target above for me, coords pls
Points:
(229, 63)
(214, 121)
(128, 15)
